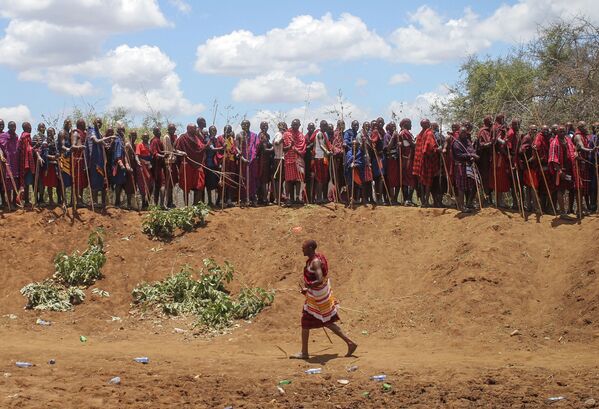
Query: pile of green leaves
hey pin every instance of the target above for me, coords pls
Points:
(73, 273)
(205, 297)
(162, 224)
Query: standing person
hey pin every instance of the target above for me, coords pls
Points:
(50, 180)
(562, 153)
(294, 146)
(37, 142)
(9, 145)
(541, 152)
(279, 161)
(440, 184)
(512, 139)
(338, 158)
(321, 163)
(530, 171)
(95, 149)
(265, 152)
(230, 164)
(63, 147)
(145, 179)
(247, 145)
(406, 149)
(582, 177)
(484, 149)
(122, 172)
(501, 166)
(213, 152)
(157, 152)
(193, 157)
(426, 160)
(464, 156)
(377, 158)
(308, 161)
(29, 161)
(349, 136)
(171, 174)
(78, 138)
(391, 152)
(320, 307)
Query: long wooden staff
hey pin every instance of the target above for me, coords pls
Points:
(105, 172)
(495, 176)
(4, 187)
(14, 184)
(533, 187)
(135, 190)
(509, 157)
(597, 180)
(36, 180)
(379, 163)
(222, 197)
(399, 146)
(478, 180)
(74, 186)
(353, 183)
(62, 188)
(89, 183)
(578, 187)
(247, 172)
(545, 180)
(518, 179)
(186, 192)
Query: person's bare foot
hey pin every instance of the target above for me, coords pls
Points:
(299, 355)
(351, 348)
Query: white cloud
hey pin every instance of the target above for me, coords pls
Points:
(183, 6)
(19, 114)
(432, 38)
(399, 78)
(361, 82)
(297, 48)
(419, 107)
(277, 86)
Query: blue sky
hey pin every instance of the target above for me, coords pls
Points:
(143, 54)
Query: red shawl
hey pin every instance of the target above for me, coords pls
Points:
(193, 147)
(26, 157)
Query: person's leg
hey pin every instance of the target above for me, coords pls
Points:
(103, 198)
(351, 345)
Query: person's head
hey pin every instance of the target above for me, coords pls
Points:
(156, 132)
(228, 130)
(533, 130)
(26, 127)
(500, 119)
(488, 121)
(425, 123)
(455, 127)
(545, 130)
(282, 126)
(81, 124)
(582, 127)
(97, 123)
(67, 125)
(561, 131)
(201, 123)
(12, 127)
(171, 129)
(264, 126)
(132, 136)
(51, 133)
(245, 125)
(109, 132)
(435, 126)
(569, 126)
(380, 122)
(145, 137)
(1, 125)
(467, 127)
(309, 247)
(212, 131)
(516, 124)
(311, 127)
(366, 126)
(341, 125)
(295, 124)
(120, 129)
(554, 128)
(405, 123)
(324, 126)
(355, 125)
(191, 129)
(41, 128)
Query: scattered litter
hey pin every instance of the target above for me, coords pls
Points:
(514, 332)
(297, 229)
(228, 407)
(15, 395)
(83, 338)
(115, 318)
(23, 364)
(285, 382)
(115, 381)
(7, 374)
(554, 399)
(179, 331)
(364, 332)
(386, 387)
(142, 360)
(52, 361)
(11, 316)
(352, 368)
(281, 390)
(342, 381)
(196, 377)
(378, 378)
(100, 293)
(156, 249)
(366, 394)
(43, 322)
(590, 403)
(313, 371)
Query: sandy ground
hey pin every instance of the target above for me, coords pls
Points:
(431, 299)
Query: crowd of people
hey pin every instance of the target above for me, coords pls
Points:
(546, 169)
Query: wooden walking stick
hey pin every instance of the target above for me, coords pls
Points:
(4, 187)
(74, 186)
(353, 183)
(14, 185)
(36, 180)
(495, 177)
(379, 163)
(597, 180)
(185, 191)
(222, 197)
(135, 190)
(545, 180)
(509, 157)
(476, 181)
(399, 146)
(532, 185)
(89, 183)
(578, 187)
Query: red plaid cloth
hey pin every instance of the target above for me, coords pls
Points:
(26, 156)
(563, 159)
(426, 160)
(407, 158)
(321, 170)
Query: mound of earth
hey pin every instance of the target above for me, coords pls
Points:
(480, 311)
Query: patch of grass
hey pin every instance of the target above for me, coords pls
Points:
(73, 273)
(205, 297)
(162, 224)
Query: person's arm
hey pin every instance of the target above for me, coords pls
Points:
(317, 268)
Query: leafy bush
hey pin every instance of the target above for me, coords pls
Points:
(72, 274)
(207, 297)
(162, 224)
(81, 269)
